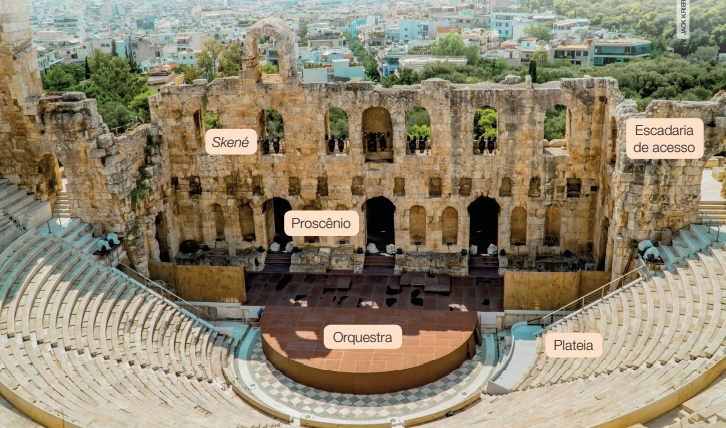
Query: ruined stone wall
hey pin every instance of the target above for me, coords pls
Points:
(651, 199)
(538, 171)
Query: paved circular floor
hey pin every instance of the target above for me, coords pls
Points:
(275, 389)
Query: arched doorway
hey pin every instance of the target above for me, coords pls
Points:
(219, 224)
(379, 222)
(483, 223)
(274, 211)
(247, 222)
(161, 237)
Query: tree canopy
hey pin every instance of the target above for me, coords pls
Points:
(208, 58)
(451, 44)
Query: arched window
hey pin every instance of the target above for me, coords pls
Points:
(377, 128)
(518, 227)
(161, 237)
(450, 226)
(556, 123)
(485, 129)
(337, 131)
(418, 130)
(506, 188)
(417, 217)
(553, 220)
(247, 222)
(218, 217)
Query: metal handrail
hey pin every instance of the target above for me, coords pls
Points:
(713, 223)
(581, 302)
(150, 282)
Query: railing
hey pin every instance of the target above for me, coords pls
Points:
(587, 299)
(702, 214)
(150, 283)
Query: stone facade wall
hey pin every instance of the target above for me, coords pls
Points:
(522, 155)
(161, 174)
(650, 199)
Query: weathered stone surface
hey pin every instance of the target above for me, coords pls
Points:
(196, 197)
(274, 246)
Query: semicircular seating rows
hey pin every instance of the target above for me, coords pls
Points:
(84, 343)
(675, 315)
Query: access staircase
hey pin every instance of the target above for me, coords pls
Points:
(379, 261)
(483, 262)
(278, 259)
(716, 210)
(22, 207)
(62, 208)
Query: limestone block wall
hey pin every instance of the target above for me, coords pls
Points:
(653, 197)
(461, 177)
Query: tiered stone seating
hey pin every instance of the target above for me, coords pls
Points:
(84, 343)
(673, 317)
(707, 408)
(606, 400)
(22, 207)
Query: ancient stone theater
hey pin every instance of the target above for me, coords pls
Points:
(93, 338)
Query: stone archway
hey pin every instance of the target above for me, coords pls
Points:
(285, 39)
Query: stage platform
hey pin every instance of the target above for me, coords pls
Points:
(434, 344)
(466, 293)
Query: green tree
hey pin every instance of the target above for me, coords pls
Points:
(98, 59)
(472, 54)
(533, 70)
(270, 68)
(370, 65)
(190, 72)
(554, 124)
(303, 34)
(211, 121)
(718, 37)
(139, 106)
(114, 115)
(451, 44)
(338, 120)
(539, 32)
(485, 123)
(116, 79)
(63, 76)
(92, 91)
(419, 132)
(208, 58)
(274, 125)
(417, 116)
(564, 7)
(57, 80)
(132, 63)
(87, 69)
(114, 52)
(541, 56)
(407, 77)
(231, 60)
(704, 53)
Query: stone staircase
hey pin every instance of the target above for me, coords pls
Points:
(483, 262)
(21, 207)
(716, 210)
(62, 208)
(379, 261)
